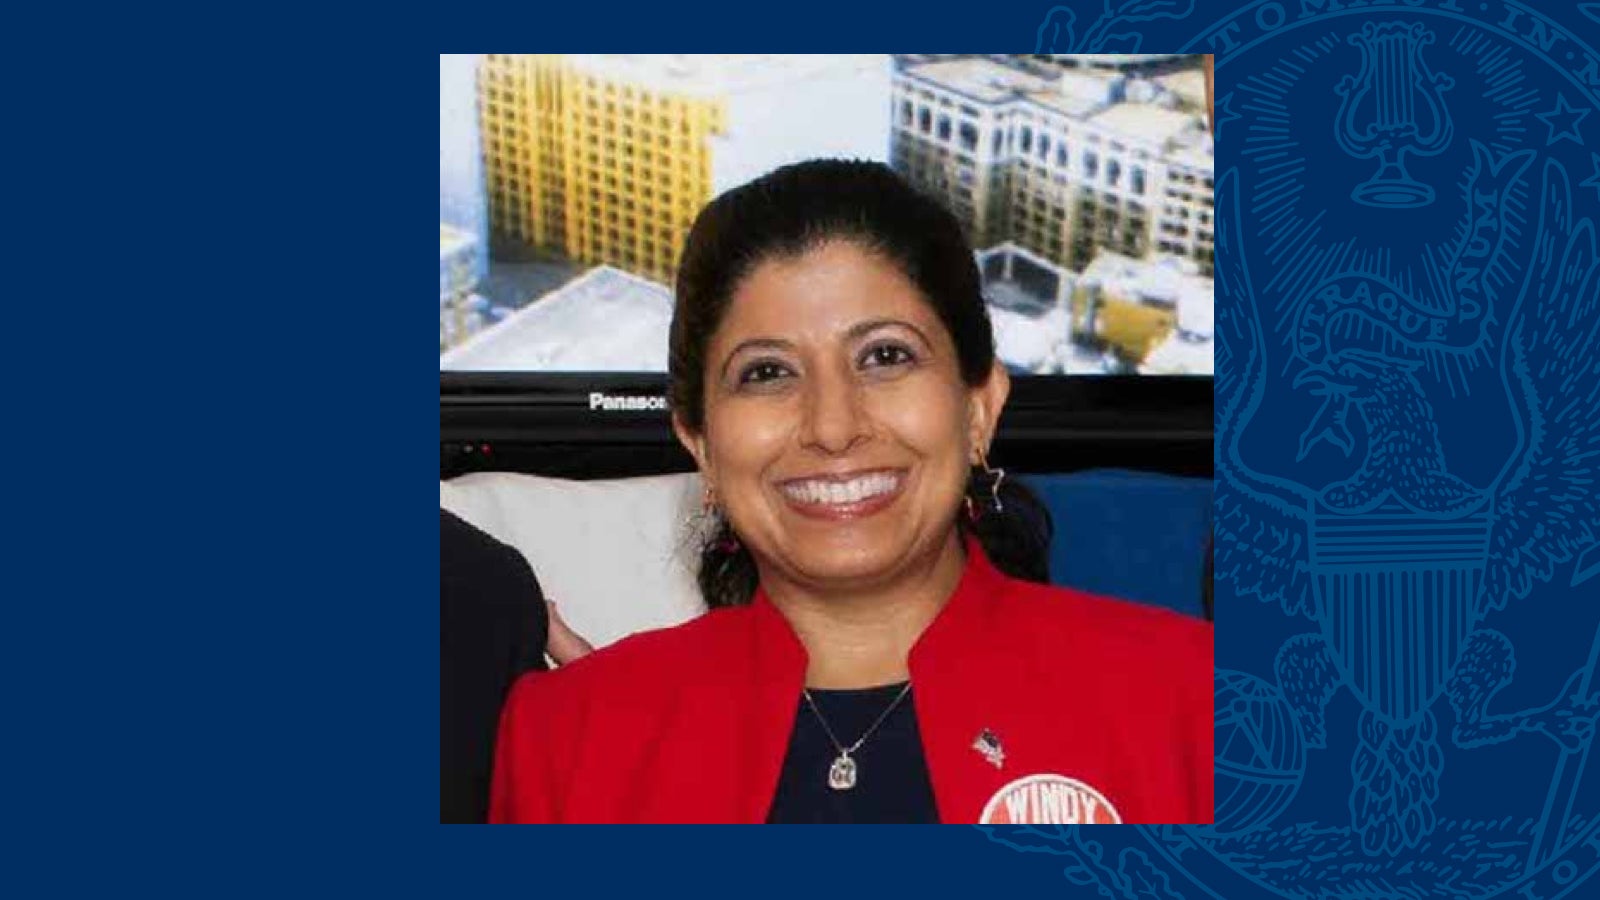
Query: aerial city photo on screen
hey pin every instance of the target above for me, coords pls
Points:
(567, 185)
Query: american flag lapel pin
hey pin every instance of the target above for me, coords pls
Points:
(988, 743)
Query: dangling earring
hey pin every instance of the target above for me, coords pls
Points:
(727, 541)
(998, 476)
(699, 522)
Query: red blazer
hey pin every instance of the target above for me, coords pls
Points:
(1107, 702)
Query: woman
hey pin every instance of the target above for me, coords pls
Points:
(866, 657)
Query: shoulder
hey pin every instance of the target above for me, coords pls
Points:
(644, 663)
(1107, 626)
(475, 567)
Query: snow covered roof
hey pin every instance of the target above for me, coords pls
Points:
(452, 239)
(606, 320)
(1180, 355)
(1147, 122)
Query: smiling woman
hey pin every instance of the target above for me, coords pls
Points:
(830, 327)
(880, 647)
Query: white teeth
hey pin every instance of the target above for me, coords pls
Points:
(852, 491)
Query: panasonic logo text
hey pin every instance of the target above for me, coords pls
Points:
(599, 400)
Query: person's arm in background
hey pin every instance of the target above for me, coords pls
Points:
(527, 755)
(493, 627)
(564, 645)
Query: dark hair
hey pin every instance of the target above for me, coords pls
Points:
(783, 215)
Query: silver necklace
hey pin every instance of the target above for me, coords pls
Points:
(842, 774)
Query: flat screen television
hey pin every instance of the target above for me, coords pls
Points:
(567, 184)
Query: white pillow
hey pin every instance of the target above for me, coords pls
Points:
(615, 555)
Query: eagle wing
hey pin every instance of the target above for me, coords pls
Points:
(1547, 507)
(1261, 521)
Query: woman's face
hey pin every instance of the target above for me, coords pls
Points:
(838, 431)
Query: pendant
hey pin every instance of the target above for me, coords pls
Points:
(842, 774)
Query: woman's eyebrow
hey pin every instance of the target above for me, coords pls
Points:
(854, 332)
(862, 329)
(762, 343)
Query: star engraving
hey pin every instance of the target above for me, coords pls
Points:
(1567, 116)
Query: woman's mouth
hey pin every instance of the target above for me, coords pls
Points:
(844, 497)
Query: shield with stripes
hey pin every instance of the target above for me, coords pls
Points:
(1396, 592)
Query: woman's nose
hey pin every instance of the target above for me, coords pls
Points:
(834, 417)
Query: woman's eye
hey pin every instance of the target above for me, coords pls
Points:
(884, 355)
(763, 371)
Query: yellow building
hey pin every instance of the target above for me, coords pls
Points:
(599, 171)
(606, 160)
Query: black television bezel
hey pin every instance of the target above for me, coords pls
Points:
(536, 421)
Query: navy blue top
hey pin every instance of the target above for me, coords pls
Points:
(892, 783)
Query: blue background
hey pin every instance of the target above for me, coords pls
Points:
(223, 607)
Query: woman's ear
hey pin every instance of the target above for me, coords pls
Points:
(986, 402)
(692, 441)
